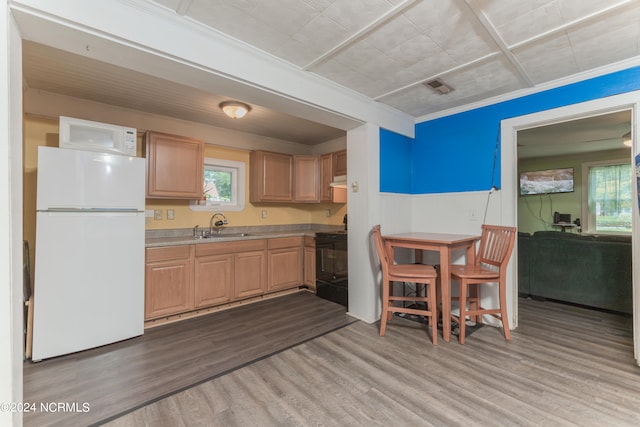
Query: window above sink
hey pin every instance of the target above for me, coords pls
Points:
(223, 186)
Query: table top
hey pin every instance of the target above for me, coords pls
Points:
(424, 236)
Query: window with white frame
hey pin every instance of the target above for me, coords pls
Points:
(223, 185)
(607, 197)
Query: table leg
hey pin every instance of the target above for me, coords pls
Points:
(445, 283)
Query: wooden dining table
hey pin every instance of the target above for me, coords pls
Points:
(444, 244)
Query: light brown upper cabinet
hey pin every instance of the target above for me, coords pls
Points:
(277, 177)
(328, 164)
(271, 177)
(306, 172)
(326, 176)
(340, 163)
(174, 166)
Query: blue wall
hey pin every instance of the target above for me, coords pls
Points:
(395, 161)
(456, 153)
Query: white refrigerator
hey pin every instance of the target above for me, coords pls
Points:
(89, 265)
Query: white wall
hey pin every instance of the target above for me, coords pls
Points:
(363, 157)
(462, 213)
(11, 349)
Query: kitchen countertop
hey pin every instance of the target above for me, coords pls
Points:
(159, 238)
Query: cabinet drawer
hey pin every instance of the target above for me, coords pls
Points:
(168, 253)
(309, 241)
(229, 247)
(285, 242)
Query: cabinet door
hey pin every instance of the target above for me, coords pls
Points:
(310, 265)
(250, 274)
(174, 166)
(213, 280)
(340, 163)
(326, 176)
(285, 268)
(167, 288)
(306, 172)
(271, 177)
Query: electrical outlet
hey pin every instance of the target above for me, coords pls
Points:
(328, 213)
(157, 214)
(171, 214)
(263, 214)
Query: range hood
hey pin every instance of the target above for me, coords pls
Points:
(339, 181)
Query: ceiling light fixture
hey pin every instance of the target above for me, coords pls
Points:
(235, 109)
(626, 139)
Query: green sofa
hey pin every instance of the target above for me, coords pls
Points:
(589, 270)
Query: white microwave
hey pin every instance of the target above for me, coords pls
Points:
(94, 136)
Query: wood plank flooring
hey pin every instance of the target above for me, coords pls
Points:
(121, 377)
(565, 366)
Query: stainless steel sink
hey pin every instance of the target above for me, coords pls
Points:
(221, 235)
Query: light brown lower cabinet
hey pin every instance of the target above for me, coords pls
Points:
(229, 270)
(213, 280)
(251, 274)
(168, 281)
(284, 257)
(185, 278)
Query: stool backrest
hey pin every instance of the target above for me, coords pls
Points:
(380, 248)
(496, 245)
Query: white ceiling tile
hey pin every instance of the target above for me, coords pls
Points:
(357, 54)
(321, 35)
(319, 5)
(455, 30)
(297, 53)
(356, 14)
(575, 9)
(548, 59)
(393, 34)
(234, 22)
(520, 20)
(346, 76)
(489, 75)
(606, 41)
(418, 48)
(501, 12)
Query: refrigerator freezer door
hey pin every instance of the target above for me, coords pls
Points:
(84, 179)
(89, 276)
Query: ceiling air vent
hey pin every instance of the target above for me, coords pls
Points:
(439, 86)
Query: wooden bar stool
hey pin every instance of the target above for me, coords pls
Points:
(496, 245)
(414, 273)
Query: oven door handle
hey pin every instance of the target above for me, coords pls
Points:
(322, 266)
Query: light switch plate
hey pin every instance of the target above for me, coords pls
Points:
(157, 214)
(171, 214)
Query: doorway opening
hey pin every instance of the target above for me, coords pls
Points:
(574, 212)
(510, 187)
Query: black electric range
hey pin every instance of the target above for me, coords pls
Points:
(332, 275)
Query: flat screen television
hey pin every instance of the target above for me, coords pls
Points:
(546, 181)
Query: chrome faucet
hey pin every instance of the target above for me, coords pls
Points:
(218, 224)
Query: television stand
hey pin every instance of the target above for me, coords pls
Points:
(564, 226)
